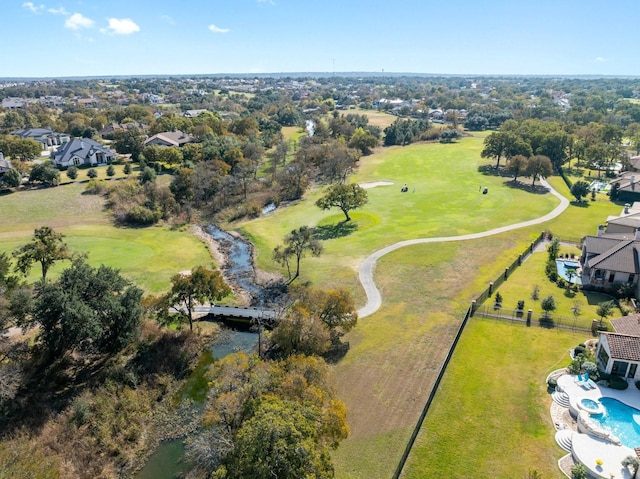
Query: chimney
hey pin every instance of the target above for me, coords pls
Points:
(600, 230)
(637, 237)
(626, 208)
(632, 182)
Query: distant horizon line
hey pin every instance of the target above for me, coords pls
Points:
(318, 74)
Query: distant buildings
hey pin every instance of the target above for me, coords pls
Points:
(45, 136)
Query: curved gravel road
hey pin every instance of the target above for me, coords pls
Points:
(374, 300)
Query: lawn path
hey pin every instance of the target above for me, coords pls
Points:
(374, 300)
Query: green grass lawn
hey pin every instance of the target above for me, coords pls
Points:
(376, 118)
(520, 284)
(446, 202)
(147, 256)
(490, 418)
(395, 354)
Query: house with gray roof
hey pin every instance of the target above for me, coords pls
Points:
(611, 258)
(45, 136)
(82, 151)
(170, 138)
(618, 352)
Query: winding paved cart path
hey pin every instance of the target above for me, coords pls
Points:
(367, 268)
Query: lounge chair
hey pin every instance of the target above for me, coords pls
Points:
(578, 379)
(588, 382)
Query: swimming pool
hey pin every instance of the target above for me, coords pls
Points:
(568, 270)
(621, 420)
(599, 186)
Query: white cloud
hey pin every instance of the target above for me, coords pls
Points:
(267, 1)
(215, 29)
(601, 59)
(58, 11)
(33, 8)
(78, 21)
(121, 26)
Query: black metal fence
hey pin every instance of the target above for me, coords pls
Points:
(432, 394)
(473, 309)
(533, 318)
(486, 294)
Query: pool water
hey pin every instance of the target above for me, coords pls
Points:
(568, 270)
(621, 420)
(590, 405)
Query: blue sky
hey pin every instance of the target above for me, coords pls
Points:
(147, 37)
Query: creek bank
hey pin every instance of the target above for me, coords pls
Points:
(167, 461)
(235, 257)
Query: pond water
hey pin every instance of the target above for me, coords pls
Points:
(167, 461)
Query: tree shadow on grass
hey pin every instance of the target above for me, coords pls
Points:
(339, 230)
(535, 189)
(337, 351)
(491, 170)
(580, 204)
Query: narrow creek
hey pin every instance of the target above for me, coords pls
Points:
(167, 461)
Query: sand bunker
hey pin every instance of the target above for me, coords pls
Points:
(373, 184)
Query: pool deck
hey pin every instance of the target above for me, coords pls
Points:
(586, 448)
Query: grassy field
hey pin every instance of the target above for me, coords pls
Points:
(396, 353)
(490, 417)
(446, 201)
(376, 118)
(147, 256)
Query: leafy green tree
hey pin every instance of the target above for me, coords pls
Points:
(300, 332)
(129, 141)
(45, 173)
(538, 165)
(296, 245)
(127, 169)
(605, 309)
(46, 247)
(72, 172)
(336, 310)
(148, 175)
(495, 146)
(553, 249)
(199, 286)
(345, 197)
(363, 140)
(11, 179)
(449, 135)
(92, 173)
(269, 417)
(548, 304)
(87, 308)
(280, 441)
(517, 164)
(111, 171)
(183, 185)
(580, 189)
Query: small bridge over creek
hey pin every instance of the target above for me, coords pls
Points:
(237, 313)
